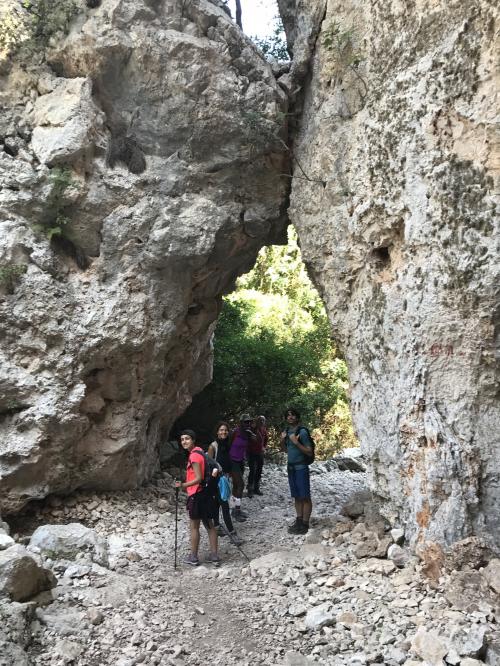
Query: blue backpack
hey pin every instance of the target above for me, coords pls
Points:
(224, 488)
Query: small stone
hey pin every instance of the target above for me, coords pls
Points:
(398, 555)
(398, 535)
(5, 541)
(95, 616)
(319, 616)
(429, 646)
(347, 618)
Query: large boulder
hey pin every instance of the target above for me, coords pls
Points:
(143, 171)
(69, 542)
(21, 577)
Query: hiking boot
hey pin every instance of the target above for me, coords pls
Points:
(302, 529)
(238, 514)
(192, 560)
(294, 527)
(213, 558)
(238, 541)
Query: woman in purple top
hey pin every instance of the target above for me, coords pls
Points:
(237, 453)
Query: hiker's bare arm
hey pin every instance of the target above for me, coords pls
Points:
(196, 480)
(304, 449)
(211, 451)
(282, 440)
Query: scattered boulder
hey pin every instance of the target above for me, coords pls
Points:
(469, 641)
(21, 577)
(492, 657)
(67, 542)
(319, 617)
(15, 621)
(355, 507)
(468, 591)
(398, 535)
(67, 121)
(350, 460)
(6, 541)
(470, 553)
(66, 623)
(492, 575)
(398, 555)
(372, 545)
(429, 646)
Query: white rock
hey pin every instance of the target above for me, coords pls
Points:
(5, 541)
(319, 616)
(69, 542)
(67, 121)
(429, 646)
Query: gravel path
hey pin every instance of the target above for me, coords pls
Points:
(301, 600)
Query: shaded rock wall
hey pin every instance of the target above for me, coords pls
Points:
(134, 190)
(398, 120)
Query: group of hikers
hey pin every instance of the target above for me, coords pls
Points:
(215, 479)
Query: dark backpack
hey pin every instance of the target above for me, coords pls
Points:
(309, 459)
(209, 466)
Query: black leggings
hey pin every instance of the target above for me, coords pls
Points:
(255, 464)
(226, 514)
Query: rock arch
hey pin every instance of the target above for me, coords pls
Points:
(155, 124)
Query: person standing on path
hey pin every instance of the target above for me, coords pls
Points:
(240, 439)
(201, 503)
(219, 451)
(256, 456)
(297, 443)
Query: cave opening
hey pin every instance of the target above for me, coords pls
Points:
(273, 349)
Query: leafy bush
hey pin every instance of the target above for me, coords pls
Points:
(34, 22)
(61, 178)
(10, 274)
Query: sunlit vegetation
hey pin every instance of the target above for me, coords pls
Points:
(273, 348)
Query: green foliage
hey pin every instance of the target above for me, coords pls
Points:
(344, 55)
(274, 45)
(10, 274)
(61, 178)
(273, 348)
(341, 43)
(34, 22)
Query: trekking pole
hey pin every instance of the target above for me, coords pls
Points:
(175, 531)
(231, 539)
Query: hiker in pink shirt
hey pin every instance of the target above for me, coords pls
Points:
(256, 456)
(240, 440)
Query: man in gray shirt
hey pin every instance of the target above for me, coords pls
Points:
(297, 443)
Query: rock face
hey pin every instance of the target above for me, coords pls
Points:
(397, 227)
(139, 174)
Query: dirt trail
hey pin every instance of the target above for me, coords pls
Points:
(147, 611)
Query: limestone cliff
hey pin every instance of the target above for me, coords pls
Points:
(137, 181)
(396, 221)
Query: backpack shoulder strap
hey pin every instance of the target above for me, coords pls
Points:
(297, 432)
